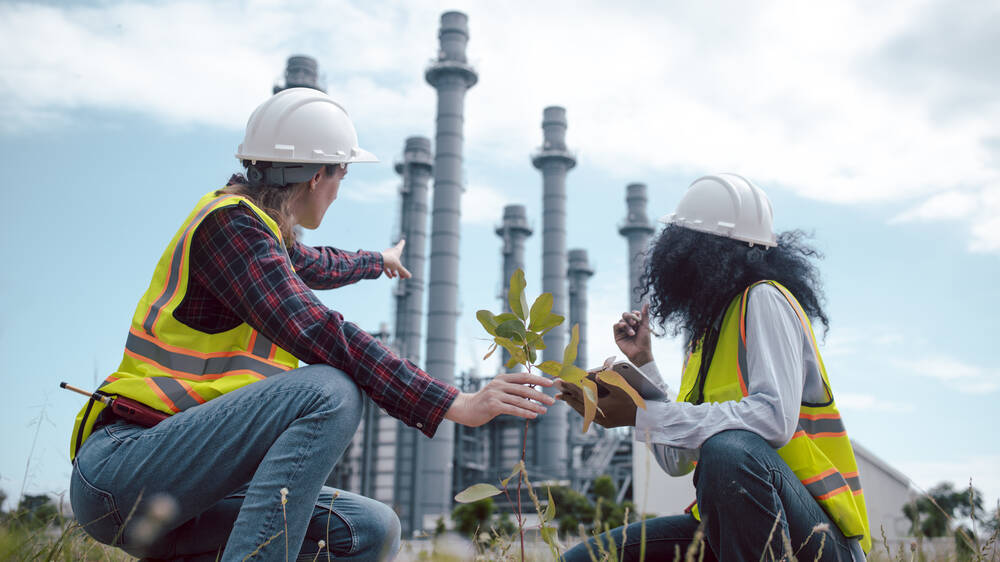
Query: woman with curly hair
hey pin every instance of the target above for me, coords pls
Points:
(755, 416)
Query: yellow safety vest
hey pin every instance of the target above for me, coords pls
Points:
(170, 366)
(820, 452)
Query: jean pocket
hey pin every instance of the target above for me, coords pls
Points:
(94, 508)
(123, 431)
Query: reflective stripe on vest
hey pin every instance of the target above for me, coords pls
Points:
(819, 453)
(170, 366)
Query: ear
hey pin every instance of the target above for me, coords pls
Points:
(316, 178)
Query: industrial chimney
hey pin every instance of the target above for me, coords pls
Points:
(415, 168)
(513, 231)
(637, 229)
(554, 160)
(451, 76)
(579, 273)
(300, 72)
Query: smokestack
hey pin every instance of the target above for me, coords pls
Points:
(451, 76)
(513, 231)
(554, 160)
(415, 168)
(637, 229)
(300, 72)
(579, 272)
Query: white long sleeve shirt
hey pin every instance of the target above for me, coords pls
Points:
(783, 370)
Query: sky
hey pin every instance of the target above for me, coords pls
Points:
(872, 126)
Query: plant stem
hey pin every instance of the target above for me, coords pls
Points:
(520, 475)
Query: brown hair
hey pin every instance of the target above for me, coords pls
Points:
(275, 200)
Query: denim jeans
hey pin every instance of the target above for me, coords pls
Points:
(749, 499)
(211, 478)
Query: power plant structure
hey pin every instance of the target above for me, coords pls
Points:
(554, 160)
(637, 230)
(396, 464)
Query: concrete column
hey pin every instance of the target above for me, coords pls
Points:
(451, 76)
(637, 229)
(579, 273)
(514, 230)
(416, 169)
(554, 160)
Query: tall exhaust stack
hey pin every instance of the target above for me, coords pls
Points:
(579, 273)
(554, 160)
(301, 71)
(451, 75)
(513, 231)
(415, 168)
(637, 229)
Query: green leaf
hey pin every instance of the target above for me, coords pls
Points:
(490, 352)
(535, 341)
(516, 358)
(540, 310)
(532, 356)
(488, 321)
(572, 374)
(550, 321)
(501, 318)
(512, 330)
(477, 492)
(612, 378)
(511, 346)
(552, 368)
(569, 354)
(550, 510)
(515, 295)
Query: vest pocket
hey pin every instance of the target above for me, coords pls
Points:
(94, 508)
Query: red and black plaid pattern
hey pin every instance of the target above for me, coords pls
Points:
(241, 273)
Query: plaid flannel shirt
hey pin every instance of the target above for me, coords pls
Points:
(241, 273)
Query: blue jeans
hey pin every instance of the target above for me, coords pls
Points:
(210, 478)
(743, 487)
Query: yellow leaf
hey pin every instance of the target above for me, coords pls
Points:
(490, 352)
(614, 379)
(550, 368)
(572, 374)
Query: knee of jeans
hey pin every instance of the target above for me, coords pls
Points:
(379, 532)
(336, 388)
(724, 455)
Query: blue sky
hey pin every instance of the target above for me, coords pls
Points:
(875, 127)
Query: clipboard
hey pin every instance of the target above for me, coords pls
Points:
(646, 387)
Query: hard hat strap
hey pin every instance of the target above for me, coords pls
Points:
(281, 173)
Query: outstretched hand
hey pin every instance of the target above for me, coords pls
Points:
(633, 336)
(505, 394)
(392, 263)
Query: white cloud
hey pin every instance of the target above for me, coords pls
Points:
(482, 205)
(978, 209)
(853, 401)
(791, 105)
(967, 378)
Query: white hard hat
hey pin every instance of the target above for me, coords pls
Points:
(301, 125)
(726, 205)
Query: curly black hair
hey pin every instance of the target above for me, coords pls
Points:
(692, 276)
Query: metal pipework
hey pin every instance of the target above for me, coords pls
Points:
(415, 167)
(554, 160)
(514, 230)
(637, 229)
(451, 76)
(579, 273)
